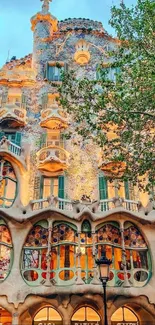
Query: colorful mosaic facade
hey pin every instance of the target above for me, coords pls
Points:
(58, 212)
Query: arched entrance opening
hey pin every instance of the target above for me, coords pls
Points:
(5, 317)
(47, 315)
(85, 316)
(124, 316)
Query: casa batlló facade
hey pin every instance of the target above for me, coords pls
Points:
(58, 212)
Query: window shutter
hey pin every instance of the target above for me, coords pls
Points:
(103, 189)
(18, 136)
(23, 101)
(43, 140)
(46, 71)
(11, 137)
(61, 187)
(2, 134)
(37, 188)
(66, 67)
(127, 192)
(51, 73)
(98, 76)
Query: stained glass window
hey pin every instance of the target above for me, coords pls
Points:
(55, 254)
(5, 317)
(35, 253)
(85, 314)
(136, 257)
(137, 254)
(8, 184)
(5, 250)
(64, 237)
(124, 315)
(59, 260)
(47, 314)
(132, 236)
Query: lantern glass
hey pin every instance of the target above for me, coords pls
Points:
(104, 271)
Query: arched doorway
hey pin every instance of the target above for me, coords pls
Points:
(124, 316)
(86, 316)
(47, 315)
(5, 317)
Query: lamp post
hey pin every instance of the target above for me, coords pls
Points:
(104, 268)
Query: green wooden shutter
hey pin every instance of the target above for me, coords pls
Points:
(11, 137)
(18, 137)
(98, 75)
(61, 187)
(46, 71)
(2, 134)
(66, 67)
(51, 73)
(43, 140)
(127, 191)
(103, 189)
(37, 188)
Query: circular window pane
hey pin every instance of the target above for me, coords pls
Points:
(31, 275)
(121, 276)
(111, 276)
(141, 276)
(66, 275)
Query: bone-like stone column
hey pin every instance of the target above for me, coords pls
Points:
(126, 281)
(79, 280)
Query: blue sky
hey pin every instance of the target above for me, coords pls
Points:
(15, 31)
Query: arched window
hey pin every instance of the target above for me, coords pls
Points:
(64, 243)
(8, 184)
(124, 314)
(5, 317)
(137, 255)
(34, 265)
(47, 314)
(50, 254)
(5, 251)
(86, 314)
(108, 240)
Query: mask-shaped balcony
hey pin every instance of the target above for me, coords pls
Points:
(13, 113)
(52, 159)
(82, 54)
(113, 168)
(52, 116)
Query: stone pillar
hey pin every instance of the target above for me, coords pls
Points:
(79, 280)
(95, 269)
(126, 281)
(48, 256)
(15, 318)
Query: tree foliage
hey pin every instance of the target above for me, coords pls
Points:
(118, 114)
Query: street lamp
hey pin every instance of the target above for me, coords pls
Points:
(104, 269)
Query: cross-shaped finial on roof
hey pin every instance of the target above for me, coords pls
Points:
(45, 6)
